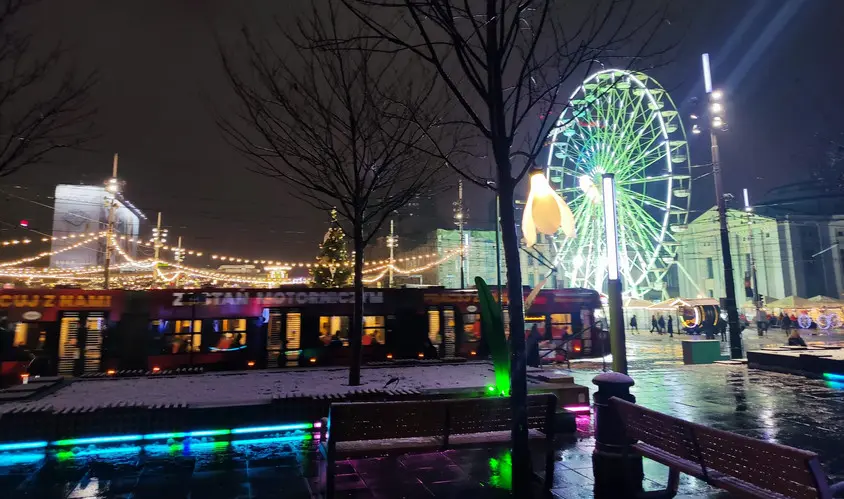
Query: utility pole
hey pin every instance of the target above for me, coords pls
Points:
(156, 238)
(113, 188)
(716, 124)
(391, 243)
(459, 220)
(159, 237)
(179, 257)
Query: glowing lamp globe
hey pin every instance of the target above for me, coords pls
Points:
(545, 211)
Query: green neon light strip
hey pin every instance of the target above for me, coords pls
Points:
(97, 440)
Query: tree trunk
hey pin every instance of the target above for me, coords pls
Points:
(518, 374)
(356, 330)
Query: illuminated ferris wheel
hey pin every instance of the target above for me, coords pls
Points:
(624, 123)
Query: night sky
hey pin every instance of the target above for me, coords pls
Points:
(778, 61)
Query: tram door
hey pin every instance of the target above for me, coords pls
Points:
(80, 342)
(284, 334)
(441, 330)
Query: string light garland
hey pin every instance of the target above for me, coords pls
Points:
(15, 242)
(145, 272)
(51, 253)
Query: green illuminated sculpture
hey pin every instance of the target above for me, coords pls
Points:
(493, 326)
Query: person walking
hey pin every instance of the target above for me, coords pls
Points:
(661, 324)
(786, 324)
(532, 347)
(723, 329)
(654, 325)
(634, 325)
(670, 327)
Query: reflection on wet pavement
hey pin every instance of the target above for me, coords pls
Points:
(786, 409)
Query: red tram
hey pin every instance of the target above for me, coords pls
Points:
(72, 332)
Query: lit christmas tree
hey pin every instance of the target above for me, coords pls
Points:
(335, 269)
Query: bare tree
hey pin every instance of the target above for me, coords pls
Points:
(344, 127)
(506, 62)
(43, 105)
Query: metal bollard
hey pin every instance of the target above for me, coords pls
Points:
(616, 467)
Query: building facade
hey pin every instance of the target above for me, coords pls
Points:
(80, 212)
(800, 256)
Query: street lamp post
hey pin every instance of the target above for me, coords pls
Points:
(460, 221)
(617, 343)
(112, 188)
(716, 123)
(491, 184)
(756, 296)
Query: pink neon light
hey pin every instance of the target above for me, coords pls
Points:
(318, 424)
(578, 408)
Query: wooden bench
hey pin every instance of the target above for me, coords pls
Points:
(744, 466)
(361, 428)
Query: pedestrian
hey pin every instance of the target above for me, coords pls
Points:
(532, 346)
(786, 324)
(723, 329)
(634, 325)
(661, 324)
(670, 327)
(761, 322)
(794, 339)
(654, 326)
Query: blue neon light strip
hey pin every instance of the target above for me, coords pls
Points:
(14, 446)
(833, 376)
(22, 446)
(269, 440)
(265, 429)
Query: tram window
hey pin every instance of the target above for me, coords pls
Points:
(29, 336)
(185, 327)
(230, 325)
(232, 335)
(373, 329)
(561, 326)
(178, 336)
(335, 325)
(20, 335)
(434, 326)
(472, 327)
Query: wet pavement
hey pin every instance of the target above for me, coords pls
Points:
(786, 409)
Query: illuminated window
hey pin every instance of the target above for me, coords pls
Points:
(373, 330)
(334, 328)
(434, 326)
(20, 334)
(177, 336)
(471, 327)
(561, 326)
